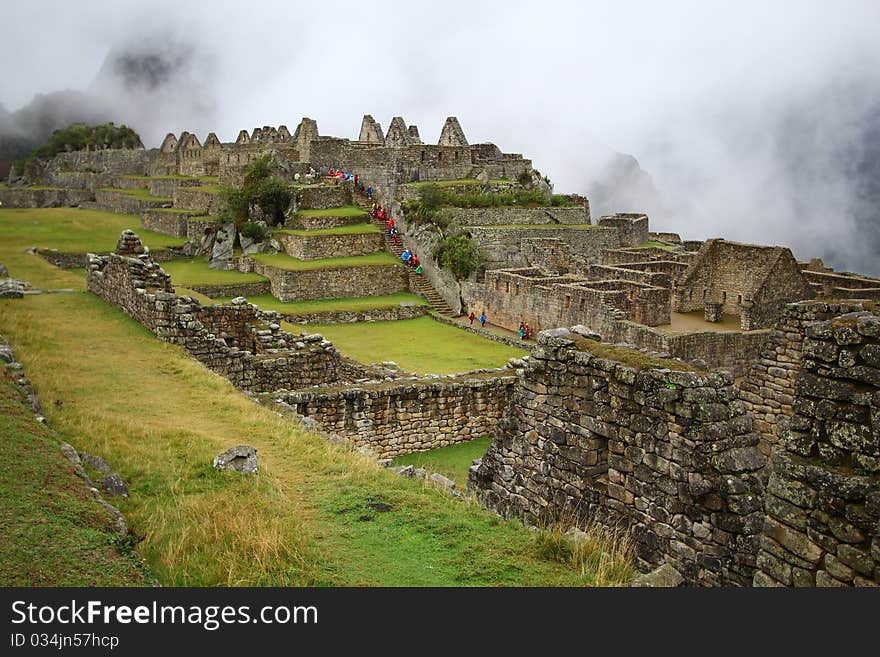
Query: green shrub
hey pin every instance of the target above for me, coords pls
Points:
(258, 171)
(459, 254)
(273, 196)
(253, 230)
(238, 205)
(525, 178)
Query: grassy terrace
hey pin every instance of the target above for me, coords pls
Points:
(183, 211)
(653, 244)
(52, 532)
(205, 179)
(195, 271)
(342, 211)
(537, 226)
(355, 304)
(631, 357)
(453, 461)
(141, 194)
(282, 261)
(70, 230)
(315, 515)
(420, 345)
(207, 189)
(353, 229)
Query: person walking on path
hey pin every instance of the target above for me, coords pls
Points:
(528, 332)
(483, 319)
(472, 317)
(522, 331)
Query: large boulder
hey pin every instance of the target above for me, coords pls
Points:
(221, 252)
(241, 458)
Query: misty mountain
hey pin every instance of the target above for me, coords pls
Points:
(619, 184)
(153, 85)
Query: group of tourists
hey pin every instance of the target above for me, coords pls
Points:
(408, 257)
(483, 318)
(524, 331)
(338, 175)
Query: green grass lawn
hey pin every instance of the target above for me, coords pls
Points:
(70, 230)
(140, 194)
(453, 461)
(537, 226)
(316, 514)
(206, 179)
(209, 189)
(196, 213)
(353, 229)
(356, 304)
(447, 183)
(283, 261)
(195, 271)
(421, 345)
(342, 211)
(52, 532)
(654, 244)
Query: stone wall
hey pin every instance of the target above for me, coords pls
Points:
(669, 455)
(315, 284)
(121, 203)
(28, 197)
(232, 291)
(272, 359)
(411, 416)
(823, 498)
(168, 221)
(350, 317)
(193, 198)
(768, 388)
(321, 197)
(508, 216)
(302, 222)
(503, 246)
(751, 281)
(89, 169)
(312, 247)
(167, 186)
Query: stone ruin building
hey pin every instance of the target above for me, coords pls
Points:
(720, 401)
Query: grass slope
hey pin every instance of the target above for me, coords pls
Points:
(353, 229)
(342, 211)
(283, 261)
(52, 532)
(70, 230)
(354, 304)
(315, 515)
(420, 345)
(195, 271)
(453, 461)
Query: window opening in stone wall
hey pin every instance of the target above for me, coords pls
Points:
(582, 304)
(568, 301)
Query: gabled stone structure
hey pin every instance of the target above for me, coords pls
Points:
(452, 134)
(397, 135)
(752, 281)
(371, 131)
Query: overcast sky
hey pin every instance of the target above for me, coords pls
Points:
(697, 91)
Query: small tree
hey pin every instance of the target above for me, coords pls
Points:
(459, 254)
(258, 171)
(273, 197)
(238, 205)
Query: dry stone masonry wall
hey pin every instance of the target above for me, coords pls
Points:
(238, 341)
(410, 416)
(671, 455)
(823, 498)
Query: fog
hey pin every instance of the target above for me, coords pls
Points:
(752, 122)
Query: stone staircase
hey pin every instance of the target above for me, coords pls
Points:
(417, 283)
